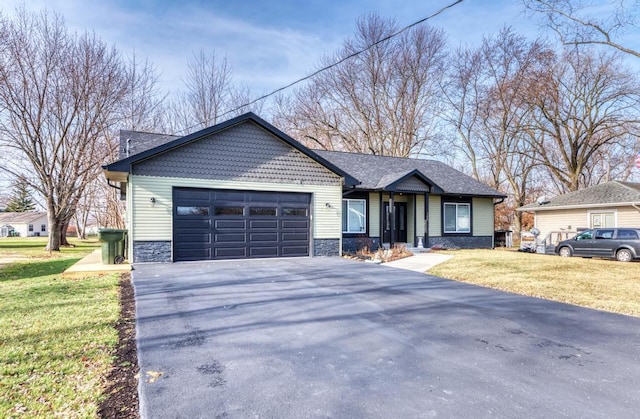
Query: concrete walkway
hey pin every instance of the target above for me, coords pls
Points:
(419, 262)
(92, 264)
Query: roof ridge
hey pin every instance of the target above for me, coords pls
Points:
(148, 132)
(378, 155)
(627, 185)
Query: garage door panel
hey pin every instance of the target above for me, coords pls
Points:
(230, 196)
(194, 224)
(194, 237)
(227, 224)
(192, 195)
(192, 254)
(230, 252)
(295, 224)
(295, 250)
(264, 251)
(263, 237)
(230, 224)
(263, 224)
(231, 238)
(302, 236)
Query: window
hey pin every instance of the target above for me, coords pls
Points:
(457, 218)
(585, 235)
(43, 227)
(269, 211)
(229, 211)
(192, 210)
(30, 227)
(604, 234)
(354, 215)
(302, 212)
(627, 234)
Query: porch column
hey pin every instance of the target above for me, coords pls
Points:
(426, 220)
(392, 220)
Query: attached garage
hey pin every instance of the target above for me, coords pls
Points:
(232, 224)
(240, 189)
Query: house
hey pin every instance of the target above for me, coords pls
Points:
(244, 189)
(610, 204)
(23, 224)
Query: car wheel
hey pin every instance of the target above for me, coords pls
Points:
(565, 252)
(624, 255)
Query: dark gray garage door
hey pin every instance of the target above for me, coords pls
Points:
(228, 224)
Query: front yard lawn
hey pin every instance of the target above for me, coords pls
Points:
(601, 284)
(56, 334)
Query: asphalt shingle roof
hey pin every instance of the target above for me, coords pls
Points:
(613, 192)
(134, 142)
(377, 171)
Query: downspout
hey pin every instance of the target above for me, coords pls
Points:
(113, 185)
(635, 206)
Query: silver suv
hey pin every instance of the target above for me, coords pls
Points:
(620, 243)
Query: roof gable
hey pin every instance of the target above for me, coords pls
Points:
(608, 193)
(244, 152)
(125, 165)
(381, 172)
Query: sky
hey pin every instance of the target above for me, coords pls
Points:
(267, 43)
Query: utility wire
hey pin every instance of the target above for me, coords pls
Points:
(355, 54)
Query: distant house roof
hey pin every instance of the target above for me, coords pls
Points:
(378, 172)
(168, 143)
(20, 217)
(605, 194)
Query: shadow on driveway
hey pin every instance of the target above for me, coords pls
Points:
(329, 337)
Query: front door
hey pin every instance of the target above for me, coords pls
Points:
(400, 217)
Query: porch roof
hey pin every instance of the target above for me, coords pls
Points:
(387, 173)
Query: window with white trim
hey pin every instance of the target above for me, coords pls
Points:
(354, 215)
(457, 218)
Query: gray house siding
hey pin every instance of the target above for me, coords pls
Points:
(243, 153)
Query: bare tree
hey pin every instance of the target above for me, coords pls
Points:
(381, 101)
(143, 100)
(585, 108)
(578, 22)
(208, 89)
(59, 94)
(485, 89)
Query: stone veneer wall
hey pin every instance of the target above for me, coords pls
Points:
(353, 244)
(462, 242)
(326, 247)
(151, 251)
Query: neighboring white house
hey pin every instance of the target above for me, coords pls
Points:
(23, 224)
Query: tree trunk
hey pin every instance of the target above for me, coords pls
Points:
(53, 244)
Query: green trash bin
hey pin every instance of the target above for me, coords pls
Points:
(112, 245)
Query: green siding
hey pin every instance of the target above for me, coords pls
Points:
(154, 222)
(435, 216)
(419, 216)
(483, 219)
(374, 214)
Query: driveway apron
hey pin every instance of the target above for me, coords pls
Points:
(329, 337)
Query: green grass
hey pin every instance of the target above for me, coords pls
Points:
(601, 284)
(56, 334)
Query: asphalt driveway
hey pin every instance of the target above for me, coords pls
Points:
(329, 337)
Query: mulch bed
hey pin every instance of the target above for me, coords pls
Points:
(122, 385)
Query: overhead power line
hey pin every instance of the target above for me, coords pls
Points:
(343, 59)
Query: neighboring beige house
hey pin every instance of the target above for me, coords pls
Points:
(610, 204)
(23, 224)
